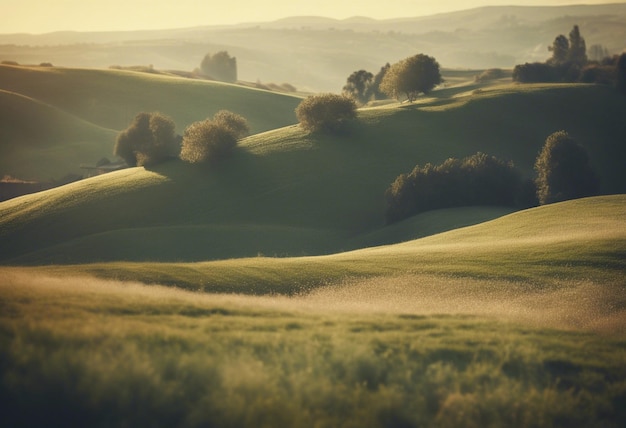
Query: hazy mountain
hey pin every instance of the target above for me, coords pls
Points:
(317, 53)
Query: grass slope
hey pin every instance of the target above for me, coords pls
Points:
(39, 141)
(108, 99)
(569, 241)
(291, 186)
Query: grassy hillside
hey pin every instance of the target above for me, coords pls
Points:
(39, 141)
(569, 241)
(286, 192)
(53, 117)
(515, 322)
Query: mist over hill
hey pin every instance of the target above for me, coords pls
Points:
(317, 54)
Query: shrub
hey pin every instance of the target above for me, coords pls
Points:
(237, 124)
(476, 180)
(563, 170)
(326, 112)
(149, 139)
(211, 140)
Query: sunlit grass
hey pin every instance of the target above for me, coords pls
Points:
(404, 352)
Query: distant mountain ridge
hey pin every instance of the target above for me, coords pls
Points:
(317, 53)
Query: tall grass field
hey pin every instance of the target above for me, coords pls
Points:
(514, 322)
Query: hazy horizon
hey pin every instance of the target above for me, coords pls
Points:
(43, 16)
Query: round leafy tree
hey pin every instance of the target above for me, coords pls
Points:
(411, 76)
(563, 170)
(211, 140)
(326, 112)
(149, 139)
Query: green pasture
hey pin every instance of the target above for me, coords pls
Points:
(289, 193)
(56, 119)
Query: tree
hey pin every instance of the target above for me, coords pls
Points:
(326, 112)
(621, 73)
(563, 170)
(577, 53)
(411, 76)
(378, 79)
(211, 140)
(359, 86)
(220, 66)
(560, 50)
(149, 139)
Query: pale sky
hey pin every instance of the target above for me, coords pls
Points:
(42, 16)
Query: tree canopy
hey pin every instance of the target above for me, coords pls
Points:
(563, 170)
(326, 112)
(411, 76)
(211, 140)
(149, 139)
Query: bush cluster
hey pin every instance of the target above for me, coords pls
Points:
(211, 140)
(479, 179)
(149, 139)
(326, 113)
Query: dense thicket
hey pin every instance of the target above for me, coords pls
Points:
(326, 113)
(211, 140)
(563, 170)
(479, 179)
(149, 139)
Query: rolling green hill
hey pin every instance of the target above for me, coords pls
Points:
(289, 193)
(45, 109)
(548, 246)
(39, 141)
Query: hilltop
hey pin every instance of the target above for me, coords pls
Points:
(286, 192)
(55, 119)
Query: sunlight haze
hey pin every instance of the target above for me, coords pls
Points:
(42, 16)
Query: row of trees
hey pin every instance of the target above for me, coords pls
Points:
(150, 139)
(407, 78)
(570, 63)
(562, 167)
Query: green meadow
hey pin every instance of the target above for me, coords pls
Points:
(268, 290)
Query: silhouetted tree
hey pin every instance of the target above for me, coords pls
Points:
(577, 53)
(598, 52)
(149, 139)
(378, 79)
(359, 86)
(411, 76)
(621, 73)
(560, 50)
(220, 66)
(326, 112)
(563, 170)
